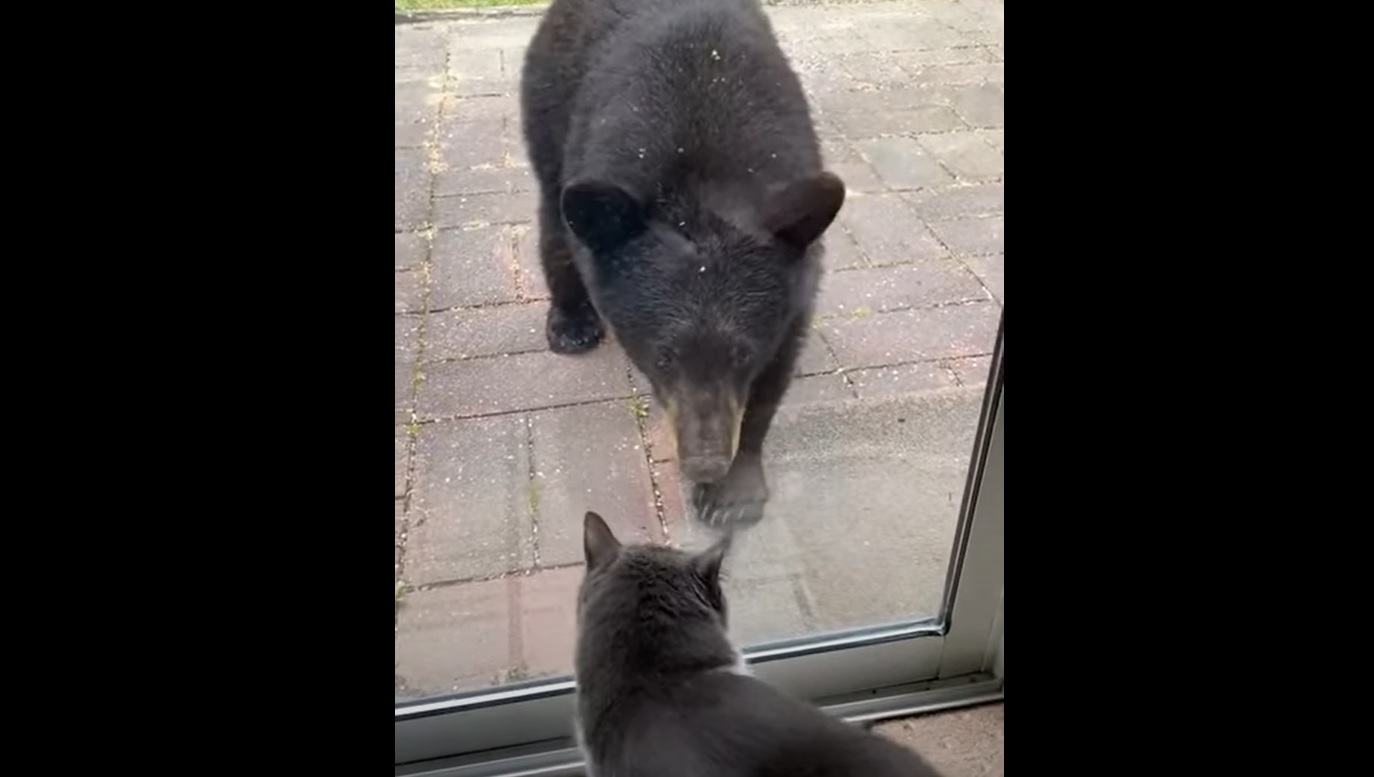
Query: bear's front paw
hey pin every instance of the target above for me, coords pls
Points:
(737, 499)
(573, 332)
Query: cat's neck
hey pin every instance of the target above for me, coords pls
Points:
(629, 653)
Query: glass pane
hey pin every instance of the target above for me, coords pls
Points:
(502, 445)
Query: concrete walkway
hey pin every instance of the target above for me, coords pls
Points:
(501, 445)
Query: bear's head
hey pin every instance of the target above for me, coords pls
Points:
(701, 291)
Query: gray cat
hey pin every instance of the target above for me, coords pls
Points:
(662, 693)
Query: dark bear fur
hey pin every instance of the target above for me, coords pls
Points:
(682, 199)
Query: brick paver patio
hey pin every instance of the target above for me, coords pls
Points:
(501, 446)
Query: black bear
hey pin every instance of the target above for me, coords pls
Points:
(682, 197)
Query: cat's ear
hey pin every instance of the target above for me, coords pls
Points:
(801, 211)
(707, 563)
(602, 215)
(598, 543)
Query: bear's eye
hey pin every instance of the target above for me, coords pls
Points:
(664, 360)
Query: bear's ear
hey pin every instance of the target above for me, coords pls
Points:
(602, 215)
(599, 545)
(802, 210)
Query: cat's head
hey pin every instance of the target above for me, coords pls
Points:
(648, 582)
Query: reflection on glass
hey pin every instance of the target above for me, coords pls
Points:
(501, 445)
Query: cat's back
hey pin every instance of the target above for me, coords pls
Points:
(720, 723)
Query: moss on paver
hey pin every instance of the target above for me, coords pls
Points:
(533, 496)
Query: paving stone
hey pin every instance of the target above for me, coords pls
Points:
(416, 101)
(957, 202)
(995, 137)
(888, 231)
(872, 70)
(900, 379)
(453, 638)
(513, 59)
(817, 388)
(421, 48)
(972, 372)
(475, 33)
(472, 266)
(903, 164)
(819, 77)
(402, 459)
(815, 357)
(966, 155)
(992, 37)
(465, 108)
(980, 105)
(989, 270)
(906, 33)
(476, 71)
(410, 291)
(845, 162)
(841, 42)
(411, 134)
(589, 457)
(410, 250)
(409, 75)
(484, 180)
(913, 335)
(425, 69)
(412, 190)
(526, 381)
(967, 73)
(840, 249)
(405, 377)
(468, 210)
(529, 271)
(471, 500)
(547, 608)
(871, 101)
(765, 609)
(400, 527)
(868, 493)
(908, 60)
(957, 17)
(971, 237)
(923, 284)
(469, 332)
(825, 129)
(519, 155)
(879, 123)
(407, 336)
(858, 177)
(469, 144)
